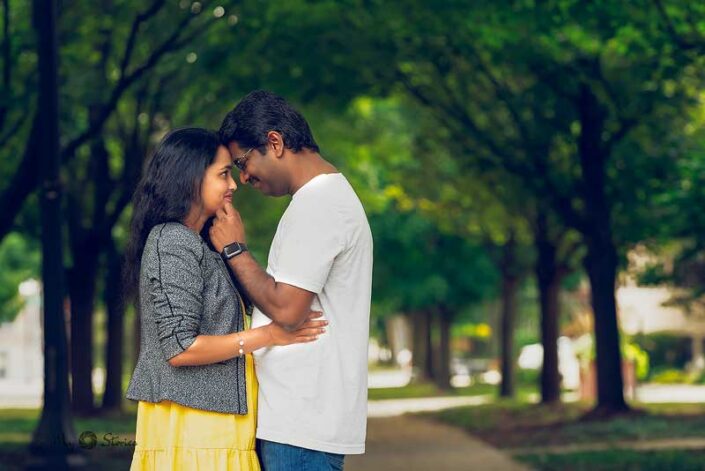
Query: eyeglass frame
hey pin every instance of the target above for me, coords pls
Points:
(241, 162)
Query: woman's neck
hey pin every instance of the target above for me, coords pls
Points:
(195, 221)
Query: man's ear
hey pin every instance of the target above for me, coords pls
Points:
(276, 141)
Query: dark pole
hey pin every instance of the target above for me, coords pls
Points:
(54, 440)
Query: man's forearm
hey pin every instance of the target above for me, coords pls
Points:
(261, 289)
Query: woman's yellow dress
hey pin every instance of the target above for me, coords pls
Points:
(174, 437)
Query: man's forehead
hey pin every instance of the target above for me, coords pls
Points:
(235, 149)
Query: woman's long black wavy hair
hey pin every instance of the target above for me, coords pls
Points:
(170, 185)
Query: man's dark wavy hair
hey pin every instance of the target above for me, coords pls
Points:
(262, 111)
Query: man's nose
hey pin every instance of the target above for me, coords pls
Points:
(243, 177)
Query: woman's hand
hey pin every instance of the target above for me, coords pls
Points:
(308, 332)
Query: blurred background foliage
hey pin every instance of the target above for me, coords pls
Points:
(508, 154)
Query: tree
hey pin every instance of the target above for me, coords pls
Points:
(53, 441)
(102, 182)
(422, 267)
(564, 95)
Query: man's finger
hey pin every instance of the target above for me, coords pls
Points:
(220, 213)
(228, 209)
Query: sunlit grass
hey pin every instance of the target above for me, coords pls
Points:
(619, 460)
(512, 424)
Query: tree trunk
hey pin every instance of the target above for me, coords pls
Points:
(421, 354)
(601, 266)
(429, 360)
(82, 286)
(430, 353)
(423, 346)
(87, 230)
(54, 444)
(549, 281)
(445, 320)
(601, 259)
(510, 286)
(113, 293)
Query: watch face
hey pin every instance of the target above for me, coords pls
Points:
(232, 250)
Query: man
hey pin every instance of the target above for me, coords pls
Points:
(313, 397)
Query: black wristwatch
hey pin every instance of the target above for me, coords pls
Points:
(233, 250)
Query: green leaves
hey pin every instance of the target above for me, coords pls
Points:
(20, 261)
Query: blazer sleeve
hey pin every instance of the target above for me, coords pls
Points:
(176, 289)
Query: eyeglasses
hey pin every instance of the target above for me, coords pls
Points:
(241, 162)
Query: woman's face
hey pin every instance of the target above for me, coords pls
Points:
(218, 184)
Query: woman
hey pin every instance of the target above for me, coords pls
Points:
(194, 378)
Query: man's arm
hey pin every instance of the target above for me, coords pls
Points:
(285, 304)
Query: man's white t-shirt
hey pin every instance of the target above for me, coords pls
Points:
(314, 395)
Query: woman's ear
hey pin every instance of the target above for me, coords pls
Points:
(276, 141)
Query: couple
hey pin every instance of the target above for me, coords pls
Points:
(296, 378)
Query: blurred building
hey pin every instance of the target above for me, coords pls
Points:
(646, 310)
(21, 359)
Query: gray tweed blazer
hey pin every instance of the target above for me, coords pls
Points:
(186, 290)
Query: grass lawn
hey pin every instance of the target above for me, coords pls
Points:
(516, 425)
(619, 460)
(520, 425)
(113, 432)
(507, 425)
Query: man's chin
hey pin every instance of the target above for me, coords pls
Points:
(276, 193)
(267, 190)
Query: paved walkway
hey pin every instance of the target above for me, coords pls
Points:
(659, 393)
(395, 407)
(413, 444)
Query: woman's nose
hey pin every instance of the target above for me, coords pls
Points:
(232, 184)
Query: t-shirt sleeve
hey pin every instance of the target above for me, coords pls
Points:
(312, 237)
